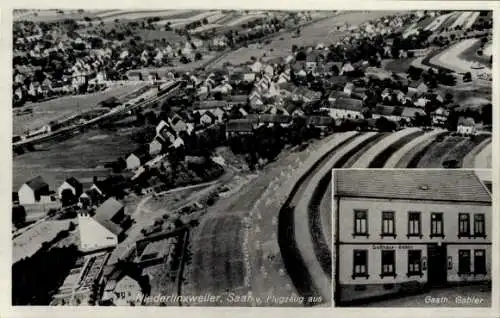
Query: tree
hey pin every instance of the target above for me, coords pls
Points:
(198, 56)
(18, 215)
(487, 114)
(467, 77)
(301, 56)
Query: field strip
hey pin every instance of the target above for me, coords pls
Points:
(471, 20)
(470, 158)
(132, 15)
(438, 22)
(483, 159)
(461, 19)
(368, 157)
(396, 157)
(487, 50)
(245, 18)
(180, 21)
(303, 235)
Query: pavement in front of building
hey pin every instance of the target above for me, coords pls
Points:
(464, 296)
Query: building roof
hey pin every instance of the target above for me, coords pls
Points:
(276, 119)
(348, 104)
(240, 125)
(466, 121)
(434, 185)
(106, 213)
(319, 120)
(74, 182)
(37, 183)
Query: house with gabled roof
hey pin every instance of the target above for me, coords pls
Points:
(33, 190)
(137, 158)
(418, 87)
(346, 108)
(466, 126)
(71, 184)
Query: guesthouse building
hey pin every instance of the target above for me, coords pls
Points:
(398, 230)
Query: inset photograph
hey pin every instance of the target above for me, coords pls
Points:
(412, 238)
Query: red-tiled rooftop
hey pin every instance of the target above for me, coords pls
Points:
(433, 185)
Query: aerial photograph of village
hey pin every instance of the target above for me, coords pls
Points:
(184, 157)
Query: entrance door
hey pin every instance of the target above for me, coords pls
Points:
(436, 265)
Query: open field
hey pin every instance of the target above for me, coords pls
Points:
(470, 54)
(322, 31)
(64, 107)
(142, 14)
(53, 15)
(82, 156)
(451, 59)
(450, 148)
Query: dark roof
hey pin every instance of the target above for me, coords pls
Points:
(74, 183)
(240, 125)
(238, 99)
(338, 94)
(210, 114)
(385, 110)
(277, 119)
(444, 185)
(415, 84)
(348, 103)
(319, 120)
(106, 215)
(466, 121)
(208, 104)
(93, 194)
(37, 183)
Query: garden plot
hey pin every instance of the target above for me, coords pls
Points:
(246, 18)
(438, 22)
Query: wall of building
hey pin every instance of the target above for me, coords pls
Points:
(26, 195)
(452, 251)
(401, 208)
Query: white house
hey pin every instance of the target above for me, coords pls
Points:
(94, 235)
(33, 190)
(466, 126)
(71, 184)
(256, 67)
(155, 146)
(126, 291)
(346, 108)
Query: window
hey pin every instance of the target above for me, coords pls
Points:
(388, 225)
(388, 264)
(414, 225)
(479, 262)
(479, 225)
(463, 262)
(414, 263)
(437, 224)
(360, 223)
(360, 264)
(463, 225)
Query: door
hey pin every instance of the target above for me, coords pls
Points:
(436, 265)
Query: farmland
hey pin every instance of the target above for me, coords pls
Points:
(321, 31)
(82, 157)
(64, 107)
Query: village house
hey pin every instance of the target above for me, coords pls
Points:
(123, 291)
(156, 146)
(72, 185)
(105, 229)
(392, 113)
(346, 108)
(243, 126)
(208, 118)
(137, 158)
(424, 228)
(322, 122)
(466, 126)
(33, 191)
(418, 87)
(440, 116)
(89, 198)
(348, 88)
